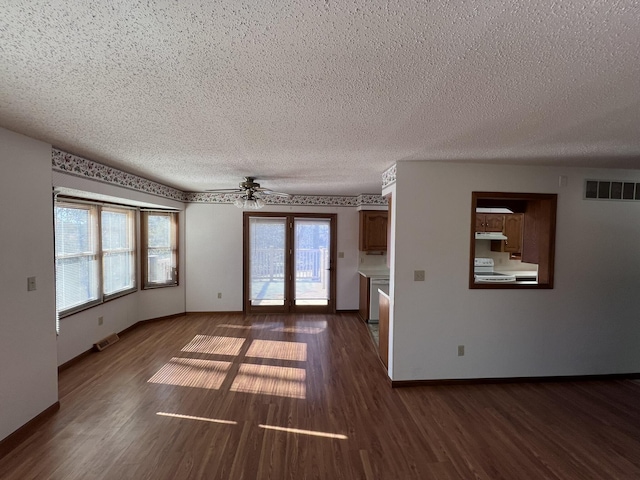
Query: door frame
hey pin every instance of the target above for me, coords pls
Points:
(289, 305)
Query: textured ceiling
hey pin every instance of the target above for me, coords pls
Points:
(319, 97)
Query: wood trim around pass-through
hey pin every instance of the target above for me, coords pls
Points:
(546, 208)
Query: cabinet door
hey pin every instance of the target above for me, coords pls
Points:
(489, 222)
(373, 230)
(493, 222)
(513, 231)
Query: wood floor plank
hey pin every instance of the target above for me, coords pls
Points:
(303, 397)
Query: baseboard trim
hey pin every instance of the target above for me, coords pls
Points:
(150, 320)
(75, 360)
(479, 381)
(347, 311)
(16, 438)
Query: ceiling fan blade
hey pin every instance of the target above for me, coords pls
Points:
(271, 192)
(225, 190)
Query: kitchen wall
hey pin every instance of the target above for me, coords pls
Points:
(80, 331)
(28, 367)
(214, 255)
(372, 261)
(588, 324)
(501, 260)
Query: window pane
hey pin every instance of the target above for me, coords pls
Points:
(76, 281)
(311, 267)
(77, 264)
(161, 248)
(118, 272)
(115, 232)
(267, 260)
(74, 232)
(159, 231)
(160, 265)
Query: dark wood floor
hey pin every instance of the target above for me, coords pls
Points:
(305, 396)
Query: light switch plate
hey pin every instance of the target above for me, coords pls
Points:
(31, 284)
(418, 275)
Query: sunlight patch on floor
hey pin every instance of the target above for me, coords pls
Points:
(201, 419)
(278, 350)
(270, 380)
(192, 372)
(313, 433)
(214, 345)
(302, 330)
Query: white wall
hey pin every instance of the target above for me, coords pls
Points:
(80, 331)
(588, 324)
(214, 255)
(28, 368)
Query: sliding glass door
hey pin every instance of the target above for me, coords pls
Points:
(289, 262)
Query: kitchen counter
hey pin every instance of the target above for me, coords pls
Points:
(522, 274)
(374, 272)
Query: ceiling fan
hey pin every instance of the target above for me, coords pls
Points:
(251, 193)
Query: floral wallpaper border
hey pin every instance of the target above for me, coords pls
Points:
(389, 176)
(82, 167)
(305, 200)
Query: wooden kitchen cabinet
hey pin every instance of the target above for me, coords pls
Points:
(512, 228)
(373, 230)
(489, 222)
(513, 232)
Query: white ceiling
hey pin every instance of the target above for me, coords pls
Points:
(320, 97)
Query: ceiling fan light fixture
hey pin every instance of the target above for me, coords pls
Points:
(249, 203)
(248, 190)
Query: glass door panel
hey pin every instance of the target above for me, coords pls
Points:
(312, 243)
(267, 261)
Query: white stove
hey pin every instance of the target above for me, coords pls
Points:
(483, 272)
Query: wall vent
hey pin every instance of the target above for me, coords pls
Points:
(611, 190)
(106, 342)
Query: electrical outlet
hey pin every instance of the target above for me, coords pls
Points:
(219, 294)
(340, 254)
(461, 350)
(418, 275)
(31, 284)
(100, 320)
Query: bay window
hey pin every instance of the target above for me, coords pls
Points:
(95, 254)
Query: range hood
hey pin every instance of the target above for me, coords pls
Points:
(490, 236)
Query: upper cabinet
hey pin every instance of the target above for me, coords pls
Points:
(489, 222)
(513, 232)
(512, 229)
(373, 230)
